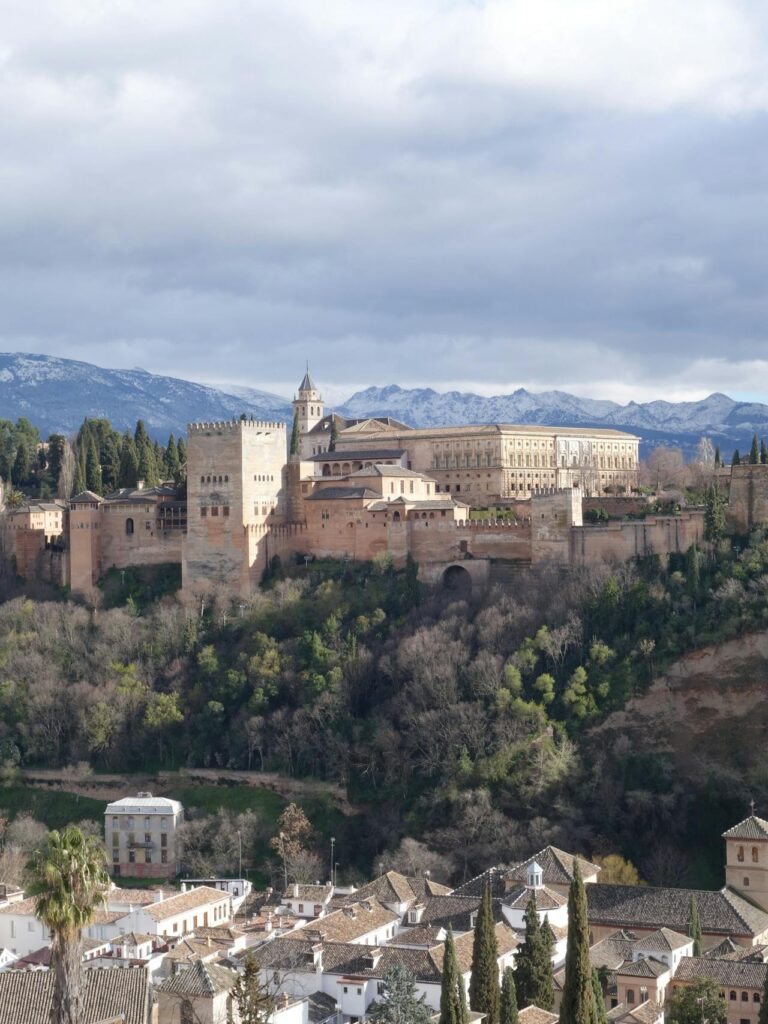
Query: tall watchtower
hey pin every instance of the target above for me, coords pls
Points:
(746, 859)
(235, 493)
(308, 404)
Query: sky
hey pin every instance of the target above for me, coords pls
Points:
(447, 193)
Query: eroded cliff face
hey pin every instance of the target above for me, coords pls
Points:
(712, 704)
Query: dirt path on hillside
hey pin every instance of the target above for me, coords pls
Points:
(114, 786)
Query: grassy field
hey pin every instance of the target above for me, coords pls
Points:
(55, 809)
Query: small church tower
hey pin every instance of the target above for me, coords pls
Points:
(746, 859)
(308, 404)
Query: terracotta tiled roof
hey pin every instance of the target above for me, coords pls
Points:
(648, 968)
(546, 899)
(663, 940)
(392, 887)
(738, 973)
(109, 994)
(454, 910)
(361, 455)
(347, 959)
(349, 923)
(535, 1015)
(137, 897)
(341, 493)
(644, 906)
(612, 951)
(200, 980)
(19, 907)
(751, 828)
(645, 1013)
(556, 865)
(200, 896)
(309, 893)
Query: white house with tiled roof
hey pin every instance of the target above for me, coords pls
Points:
(20, 930)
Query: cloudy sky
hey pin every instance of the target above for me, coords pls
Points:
(454, 193)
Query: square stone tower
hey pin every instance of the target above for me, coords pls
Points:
(235, 492)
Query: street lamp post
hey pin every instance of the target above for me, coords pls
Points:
(333, 844)
(240, 853)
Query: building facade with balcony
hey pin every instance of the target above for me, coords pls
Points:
(140, 835)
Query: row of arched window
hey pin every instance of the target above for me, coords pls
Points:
(214, 479)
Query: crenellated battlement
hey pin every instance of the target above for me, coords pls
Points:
(233, 426)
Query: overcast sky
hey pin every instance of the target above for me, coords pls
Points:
(453, 193)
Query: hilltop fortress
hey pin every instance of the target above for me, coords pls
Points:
(358, 489)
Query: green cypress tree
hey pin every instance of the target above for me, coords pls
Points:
(714, 515)
(21, 467)
(693, 571)
(718, 457)
(110, 462)
(334, 438)
(597, 989)
(171, 459)
(146, 454)
(93, 467)
(484, 985)
(181, 448)
(453, 1003)
(736, 460)
(578, 1002)
(534, 982)
(694, 926)
(508, 1005)
(763, 453)
(295, 435)
(754, 451)
(545, 997)
(129, 462)
(78, 482)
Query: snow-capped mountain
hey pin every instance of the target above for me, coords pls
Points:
(57, 394)
(725, 420)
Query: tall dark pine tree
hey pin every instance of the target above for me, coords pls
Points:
(578, 1002)
(534, 981)
(714, 515)
(694, 926)
(718, 457)
(736, 460)
(508, 1005)
(453, 1003)
(763, 453)
(484, 985)
(754, 451)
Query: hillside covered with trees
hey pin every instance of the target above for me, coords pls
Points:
(465, 725)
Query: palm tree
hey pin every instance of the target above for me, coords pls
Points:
(69, 881)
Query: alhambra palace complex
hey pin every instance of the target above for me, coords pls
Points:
(357, 489)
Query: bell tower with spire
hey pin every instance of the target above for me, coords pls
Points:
(308, 404)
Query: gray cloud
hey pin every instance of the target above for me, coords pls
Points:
(494, 194)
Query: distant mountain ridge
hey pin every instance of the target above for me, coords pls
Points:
(56, 394)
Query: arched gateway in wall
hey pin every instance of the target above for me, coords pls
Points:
(457, 579)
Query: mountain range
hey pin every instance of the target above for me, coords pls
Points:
(56, 394)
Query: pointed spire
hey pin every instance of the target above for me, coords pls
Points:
(307, 384)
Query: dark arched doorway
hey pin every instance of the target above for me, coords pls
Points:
(457, 580)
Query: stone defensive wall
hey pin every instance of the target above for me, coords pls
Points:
(619, 542)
